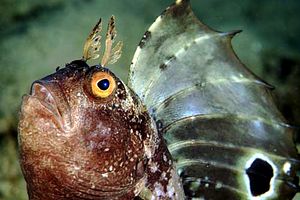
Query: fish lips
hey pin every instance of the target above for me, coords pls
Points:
(42, 100)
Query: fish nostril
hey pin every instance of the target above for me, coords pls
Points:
(260, 174)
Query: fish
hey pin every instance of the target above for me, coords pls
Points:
(193, 122)
(84, 134)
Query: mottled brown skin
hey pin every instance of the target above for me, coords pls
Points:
(74, 145)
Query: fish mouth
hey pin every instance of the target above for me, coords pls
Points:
(41, 92)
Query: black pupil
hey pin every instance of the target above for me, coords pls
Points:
(103, 84)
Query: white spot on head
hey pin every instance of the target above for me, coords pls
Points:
(106, 149)
(163, 176)
(165, 158)
(76, 167)
(153, 167)
(78, 94)
(170, 190)
(159, 190)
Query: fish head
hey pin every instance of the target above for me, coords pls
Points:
(81, 134)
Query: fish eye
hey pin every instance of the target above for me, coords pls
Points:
(102, 84)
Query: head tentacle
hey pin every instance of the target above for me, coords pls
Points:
(92, 45)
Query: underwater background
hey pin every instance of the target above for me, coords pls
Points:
(37, 36)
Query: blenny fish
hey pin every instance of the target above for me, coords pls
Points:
(85, 135)
(193, 122)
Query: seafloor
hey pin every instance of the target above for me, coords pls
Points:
(37, 36)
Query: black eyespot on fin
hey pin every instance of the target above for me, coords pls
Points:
(260, 174)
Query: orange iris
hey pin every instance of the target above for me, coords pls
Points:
(103, 84)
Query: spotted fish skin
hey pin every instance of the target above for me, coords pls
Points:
(76, 146)
(219, 120)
